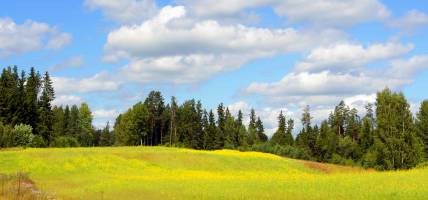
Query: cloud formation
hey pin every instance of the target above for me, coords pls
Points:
(410, 22)
(30, 36)
(173, 48)
(315, 12)
(124, 11)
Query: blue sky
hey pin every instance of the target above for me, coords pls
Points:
(270, 55)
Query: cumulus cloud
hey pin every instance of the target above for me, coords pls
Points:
(100, 82)
(105, 114)
(30, 36)
(323, 83)
(165, 49)
(350, 57)
(332, 12)
(410, 22)
(67, 100)
(317, 12)
(124, 11)
(73, 62)
(408, 68)
(325, 87)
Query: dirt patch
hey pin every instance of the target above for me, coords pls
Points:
(19, 186)
(331, 168)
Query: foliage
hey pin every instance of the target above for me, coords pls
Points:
(64, 141)
(23, 135)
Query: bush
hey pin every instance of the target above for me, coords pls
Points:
(23, 135)
(369, 159)
(38, 141)
(65, 141)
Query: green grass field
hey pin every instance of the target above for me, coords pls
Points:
(172, 173)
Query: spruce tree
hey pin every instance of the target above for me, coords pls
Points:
(229, 130)
(32, 89)
(279, 137)
(260, 130)
(45, 109)
(252, 131)
(212, 132)
(241, 132)
(105, 136)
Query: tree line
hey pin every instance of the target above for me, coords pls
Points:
(28, 118)
(388, 136)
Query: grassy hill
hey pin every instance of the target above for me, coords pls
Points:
(172, 173)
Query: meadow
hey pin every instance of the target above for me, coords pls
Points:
(174, 173)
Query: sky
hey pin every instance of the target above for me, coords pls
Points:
(270, 55)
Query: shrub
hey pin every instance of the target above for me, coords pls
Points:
(38, 141)
(64, 141)
(23, 135)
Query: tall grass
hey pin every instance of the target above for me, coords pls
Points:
(174, 173)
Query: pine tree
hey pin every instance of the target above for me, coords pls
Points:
(366, 137)
(221, 118)
(289, 133)
(66, 123)
(45, 109)
(155, 104)
(212, 131)
(241, 132)
(306, 138)
(279, 137)
(21, 109)
(326, 143)
(252, 131)
(173, 124)
(260, 130)
(353, 124)
(58, 125)
(73, 124)
(205, 126)
(229, 130)
(105, 136)
(32, 89)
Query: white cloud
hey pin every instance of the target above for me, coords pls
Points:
(164, 49)
(410, 21)
(332, 12)
(73, 62)
(124, 11)
(326, 88)
(59, 41)
(105, 114)
(317, 12)
(30, 36)
(99, 82)
(347, 57)
(322, 83)
(408, 68)
(67, 100)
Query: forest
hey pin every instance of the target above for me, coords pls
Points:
(387, 137)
